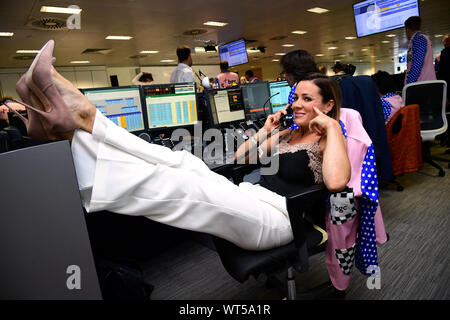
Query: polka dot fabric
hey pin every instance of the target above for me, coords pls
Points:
(291, 101)
(291, 94)
(366, 246)
(387, 107)
(417, 54)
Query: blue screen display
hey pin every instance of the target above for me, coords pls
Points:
(375, 16)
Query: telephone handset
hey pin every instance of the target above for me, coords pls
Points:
(287, 120)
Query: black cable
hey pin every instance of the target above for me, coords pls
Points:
(264, 106)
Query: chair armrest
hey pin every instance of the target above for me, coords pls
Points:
(298, 205)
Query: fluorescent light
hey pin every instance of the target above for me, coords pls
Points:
(118, 38)
(6, 34)
(60, 10)
(287, 45)
(391, 35)
(200, 49)
(378, 61)
(319, 55)
(280, 54)
(215, 23)
(148, 51)
(299, 32)
(332, 48)
(385, 41)
(318, 10)
(275, 60)
(27, 51)
(350, 38)
(438, 35)
(168, 60)
(85, 61)
(364, 49)
(254, 50)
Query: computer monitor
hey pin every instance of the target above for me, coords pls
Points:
(279, 92)
(226, 105)
(122, 105)
(171, 105)
(234, 52)
(375, 16)
(256, 100)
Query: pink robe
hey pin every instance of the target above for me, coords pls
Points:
(344, 236)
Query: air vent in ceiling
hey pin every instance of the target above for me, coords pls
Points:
(24, 57)
(97, 51)
(49, 23)
(194, 32)
(278, 38)
(138, 56)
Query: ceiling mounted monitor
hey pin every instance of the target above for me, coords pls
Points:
(234, 52)
(373, 16)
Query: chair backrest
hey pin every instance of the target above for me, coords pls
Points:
(360, 93)
(430, 96)
(403, 132)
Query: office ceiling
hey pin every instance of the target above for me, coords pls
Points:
(163, 25)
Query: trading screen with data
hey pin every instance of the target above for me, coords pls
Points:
(171, 105)
(122, 105)
(279, 92)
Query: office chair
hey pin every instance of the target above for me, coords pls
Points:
(403, 134)
(430, 96)
(360, 93)
(306, 204)
(241, 264)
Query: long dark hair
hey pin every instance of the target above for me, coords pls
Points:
(329, 90)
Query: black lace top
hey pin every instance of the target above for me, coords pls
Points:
(300, 166)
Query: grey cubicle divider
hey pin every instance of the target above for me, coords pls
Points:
(45, 251)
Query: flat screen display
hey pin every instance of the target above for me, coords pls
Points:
(171, 105)
(226, 105)
(256, 100)
(121, 105)
(375, 16)
(279, 92)
(234, 52)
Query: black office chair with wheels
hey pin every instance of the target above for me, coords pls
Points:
(430, 96)
(306, 209)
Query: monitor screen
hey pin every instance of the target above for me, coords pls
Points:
(226, 105)
(279, 92)
(256, 100)
(234, 52)
(122, 105)
(374, 16)
(171, 105)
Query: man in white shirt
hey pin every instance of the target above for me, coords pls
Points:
(183, 72)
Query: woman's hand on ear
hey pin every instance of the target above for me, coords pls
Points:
(321, 123)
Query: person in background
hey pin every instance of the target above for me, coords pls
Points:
(243, 80)
(296, 65)
(226, 78)
(339, 70)
(323, 69)
(250, 76)
(443, 72)
(183, 72)
(391, 101)
(142, 78)
(420, 53)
